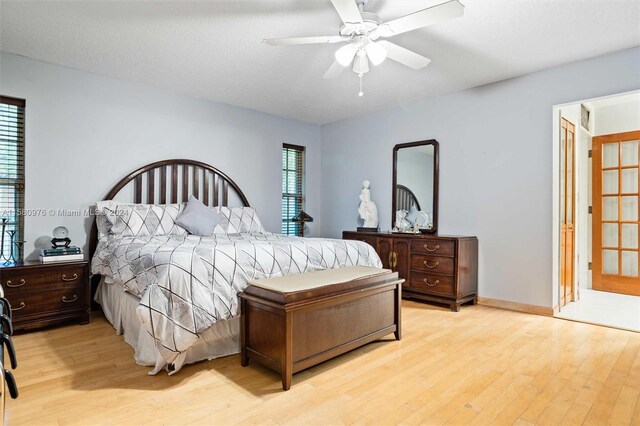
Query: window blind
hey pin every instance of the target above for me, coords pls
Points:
(12, 172)
(292, 187)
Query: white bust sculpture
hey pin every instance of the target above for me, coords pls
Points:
(367, 209)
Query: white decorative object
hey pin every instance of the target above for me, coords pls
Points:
(367, 210)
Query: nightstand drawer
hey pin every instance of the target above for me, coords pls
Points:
(47, 294)
(41, 278)
(433, 247)
(432, 283)
(67, 297)
(432, 264)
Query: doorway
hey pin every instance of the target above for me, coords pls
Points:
(596, 218)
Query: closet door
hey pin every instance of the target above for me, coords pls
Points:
(616, 213)
(567, 211)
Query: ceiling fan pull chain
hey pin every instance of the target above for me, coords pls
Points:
(361, 92)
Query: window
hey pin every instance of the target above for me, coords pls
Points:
(292, 187)
(12, 173)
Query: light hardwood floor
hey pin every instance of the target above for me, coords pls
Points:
(479, 366)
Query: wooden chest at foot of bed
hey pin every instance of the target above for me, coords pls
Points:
(294, 322)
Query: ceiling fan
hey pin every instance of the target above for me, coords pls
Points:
(361, 30)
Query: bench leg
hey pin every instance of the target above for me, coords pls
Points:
(244, 359)
(398, 312)
(286, 381)
(287, 359)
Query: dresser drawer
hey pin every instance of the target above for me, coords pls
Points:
(433, 247)
(432, 264)
(432, 283)
(41, 279)
(65, 297)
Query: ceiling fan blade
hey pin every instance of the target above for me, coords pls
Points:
(334, 70)
(304, 40)
(432, 15)
(404, 56)
(348, 11)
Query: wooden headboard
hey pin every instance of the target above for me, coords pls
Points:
(173, 181)
(405, 198)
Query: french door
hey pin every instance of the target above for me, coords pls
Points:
(567, 214)
(616, 213)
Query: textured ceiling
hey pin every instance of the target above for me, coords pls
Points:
(213, 49)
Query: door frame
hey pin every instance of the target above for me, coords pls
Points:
(556, 222)
(555, 192)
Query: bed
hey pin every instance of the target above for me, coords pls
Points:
(405, 198)
(174, 295)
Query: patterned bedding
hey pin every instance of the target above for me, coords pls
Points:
(186, 283)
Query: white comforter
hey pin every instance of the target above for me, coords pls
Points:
(186, 283)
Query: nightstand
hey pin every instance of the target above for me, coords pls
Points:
(47, 294)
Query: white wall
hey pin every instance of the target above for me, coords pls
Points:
(495, 166)
(618, 118)
(84, 132)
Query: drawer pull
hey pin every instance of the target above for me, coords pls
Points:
(436, 248)
(435, 265)
(65, 300)
(74, 277)
(22, 305)
(426, 281)
(20, 284)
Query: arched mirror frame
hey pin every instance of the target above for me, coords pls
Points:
(433, 142)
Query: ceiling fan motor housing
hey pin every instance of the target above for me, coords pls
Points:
(370, 22)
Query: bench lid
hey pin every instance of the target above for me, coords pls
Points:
(309, 285)
(310, 280)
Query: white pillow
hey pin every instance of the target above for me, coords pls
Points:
(138, 220)
(242, 219)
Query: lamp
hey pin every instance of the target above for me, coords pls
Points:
(301, 218)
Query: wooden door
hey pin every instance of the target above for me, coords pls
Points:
(616, 170)
(567, 211)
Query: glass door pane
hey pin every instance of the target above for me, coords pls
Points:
(610, 235)
(610, 262)
(610, 155)
(629, 153)
(630, 263)
(630, 181)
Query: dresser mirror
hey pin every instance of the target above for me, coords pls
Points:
(415, 187)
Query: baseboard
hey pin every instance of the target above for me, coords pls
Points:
(515, 306)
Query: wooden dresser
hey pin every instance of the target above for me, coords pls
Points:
(46, 294)
(442, 269)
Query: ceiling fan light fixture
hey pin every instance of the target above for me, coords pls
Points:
(361, 62)
(376, 53)
(345, 54)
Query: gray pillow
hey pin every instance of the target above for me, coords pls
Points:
(197, 218)
(412, 216)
